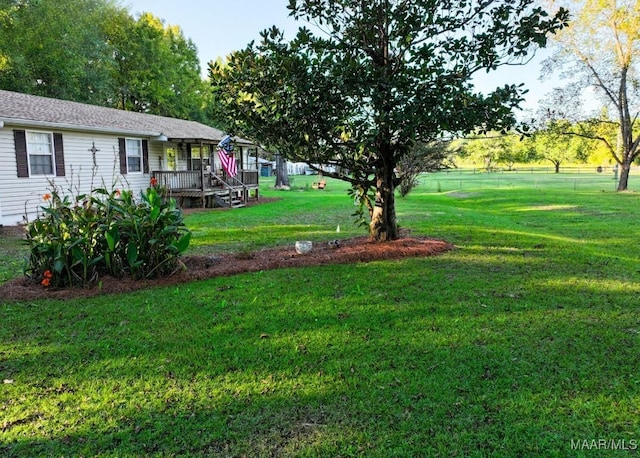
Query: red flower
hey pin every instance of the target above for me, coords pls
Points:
(48, 275)
(47, 196)
(154, 181)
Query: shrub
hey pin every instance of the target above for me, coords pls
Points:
(74, 241)
(145, 239)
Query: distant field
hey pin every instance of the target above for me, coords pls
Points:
(573, 178)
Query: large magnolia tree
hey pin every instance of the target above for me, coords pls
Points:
(379, 77)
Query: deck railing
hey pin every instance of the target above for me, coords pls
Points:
(183, 179)
(249, 177)
(175, 180)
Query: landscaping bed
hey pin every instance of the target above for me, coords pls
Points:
(342, 251)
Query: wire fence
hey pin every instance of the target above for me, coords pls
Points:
(568, 178)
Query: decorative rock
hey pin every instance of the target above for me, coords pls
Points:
(303, 246)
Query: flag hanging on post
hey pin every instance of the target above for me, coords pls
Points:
(226, 156)
(228, 162)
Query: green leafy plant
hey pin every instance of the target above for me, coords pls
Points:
(363, 199)
(76, 240)
(144, 239)
(63, 241)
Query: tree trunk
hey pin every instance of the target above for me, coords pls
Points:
(624, 176)
(626, 132)
(557, 164)
(282, 177)
(487, 163)
(383, 225)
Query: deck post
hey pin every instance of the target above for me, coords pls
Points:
(204, 199)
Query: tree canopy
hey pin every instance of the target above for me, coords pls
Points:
(56, 48)
(94, 51)
(556, 144)
(380, 76)
(157, 69)
(496, 149)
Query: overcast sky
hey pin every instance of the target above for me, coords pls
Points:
(218, 27)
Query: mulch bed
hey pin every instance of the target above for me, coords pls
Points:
(354, 250)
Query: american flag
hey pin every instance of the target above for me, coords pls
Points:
(228, 162)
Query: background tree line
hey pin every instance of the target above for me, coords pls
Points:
(95, 51)
(558, 142)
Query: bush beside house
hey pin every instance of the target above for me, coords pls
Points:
(76, 240)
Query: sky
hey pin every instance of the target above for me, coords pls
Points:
(218, 27)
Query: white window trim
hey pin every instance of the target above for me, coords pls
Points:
(52, 152)
(129, 171)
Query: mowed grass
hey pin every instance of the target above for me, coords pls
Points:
(523, 341)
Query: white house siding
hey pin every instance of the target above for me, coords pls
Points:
(296, 168)
(24, 196)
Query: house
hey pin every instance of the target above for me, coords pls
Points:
(79, 147)
(296, 168)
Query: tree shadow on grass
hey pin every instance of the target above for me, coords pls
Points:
(416, 373)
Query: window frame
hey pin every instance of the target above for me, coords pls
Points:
(129, 155)
(199, 160)
(52, 153)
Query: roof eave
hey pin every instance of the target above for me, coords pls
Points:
(7, 121)
(74, 127)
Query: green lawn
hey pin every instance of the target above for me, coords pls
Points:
(524, 341)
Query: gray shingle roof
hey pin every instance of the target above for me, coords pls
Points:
(31, 110)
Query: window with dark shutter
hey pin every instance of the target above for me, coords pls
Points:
(58, 149)
(22, 161)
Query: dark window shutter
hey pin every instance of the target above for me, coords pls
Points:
(58, 149)
(122, 145)
(189, 164)
(145, 156)
(22, 160)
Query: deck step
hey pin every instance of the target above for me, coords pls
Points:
(222, 200)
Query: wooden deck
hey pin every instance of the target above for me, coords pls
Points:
(210, 189)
